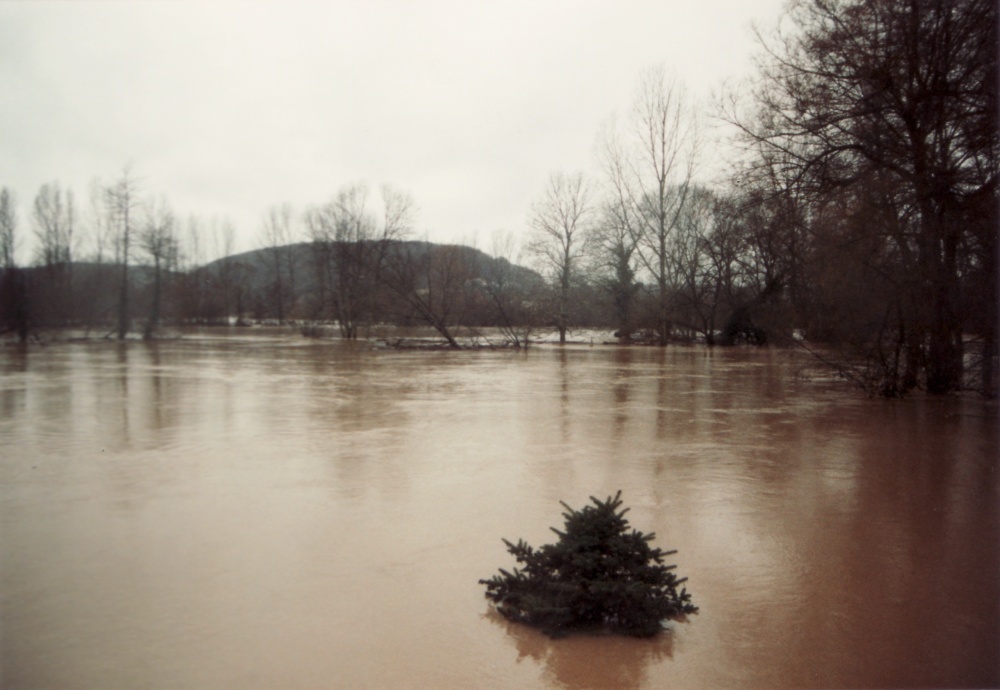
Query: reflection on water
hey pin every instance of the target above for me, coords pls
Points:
(264, 511)
(587, 661)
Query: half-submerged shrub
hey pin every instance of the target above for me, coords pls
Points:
(599, 575)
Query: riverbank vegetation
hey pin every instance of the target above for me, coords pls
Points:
(860, 214)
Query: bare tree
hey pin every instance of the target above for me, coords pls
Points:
(54, 217)
(650, 169)
(158, 239)
(729, 257)
(191, 259)
(613, 260)
(123, 200)
(13, 283)
(560, 222)
(100, 222)
(343, 229)
(94, 288)
(224, 240)
(436, 283)
(8, 228)
(697, 288)
(511, 295)
(880, 105)
(237, 275)
(54, 220)
(277, 237)
(722, 248)
(350, 246)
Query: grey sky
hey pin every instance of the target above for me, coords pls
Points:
(227, 108)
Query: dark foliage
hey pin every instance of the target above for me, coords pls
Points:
(599, 575)
(740, 328)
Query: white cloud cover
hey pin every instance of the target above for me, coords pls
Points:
(227, 108)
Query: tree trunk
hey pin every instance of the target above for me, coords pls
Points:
(154, 311)
(123, 303)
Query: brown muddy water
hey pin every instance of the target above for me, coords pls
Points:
(265, 512)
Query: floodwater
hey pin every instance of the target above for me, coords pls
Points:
(269, 512)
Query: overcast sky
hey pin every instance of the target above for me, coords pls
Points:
(227, 108)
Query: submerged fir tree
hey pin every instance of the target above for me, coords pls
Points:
(599, 575)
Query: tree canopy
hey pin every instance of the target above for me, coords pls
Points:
(599, 575)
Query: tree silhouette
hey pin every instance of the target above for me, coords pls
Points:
(599, 575)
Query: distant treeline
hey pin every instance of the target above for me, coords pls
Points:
(861, 214)
(452, 288)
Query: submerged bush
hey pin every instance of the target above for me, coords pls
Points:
(599, 575)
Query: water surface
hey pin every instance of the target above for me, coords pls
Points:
(263, 512)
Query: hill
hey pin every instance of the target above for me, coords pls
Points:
(261, 265)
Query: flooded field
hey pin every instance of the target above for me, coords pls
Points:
(272, 512)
